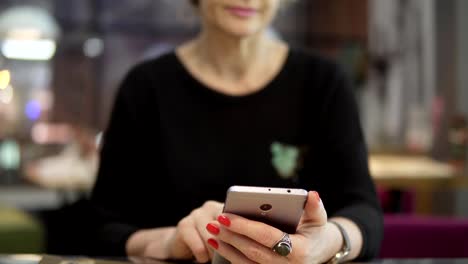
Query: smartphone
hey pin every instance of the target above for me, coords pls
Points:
(278, 207)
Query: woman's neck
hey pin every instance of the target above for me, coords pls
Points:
(231, 65)
(231, 57)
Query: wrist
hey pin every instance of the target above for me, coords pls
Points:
(345, 250)
(334, 242)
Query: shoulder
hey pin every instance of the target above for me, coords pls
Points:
(325, 84)
(320, 76)
(314, 65)
(150, 67)
(146, 76)
(137, 88)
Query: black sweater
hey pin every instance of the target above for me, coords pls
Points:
(173, 143)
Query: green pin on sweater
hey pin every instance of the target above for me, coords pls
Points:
(285, 159)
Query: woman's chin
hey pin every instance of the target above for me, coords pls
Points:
(243, 32)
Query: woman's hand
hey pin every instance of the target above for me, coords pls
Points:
(190, 238)
(245, 241)
(187, 240)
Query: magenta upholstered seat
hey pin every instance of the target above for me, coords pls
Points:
(408, 236)
(396, 201)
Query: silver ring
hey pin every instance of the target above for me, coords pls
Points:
(284, 246)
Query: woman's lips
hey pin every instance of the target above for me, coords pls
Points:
(242, 12)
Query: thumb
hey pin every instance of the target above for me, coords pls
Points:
(314, 211)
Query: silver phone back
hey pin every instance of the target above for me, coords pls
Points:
(287, 206)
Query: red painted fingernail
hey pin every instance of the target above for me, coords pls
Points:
(224, 220)
(212, 229)
(317, 196)
(213, 243)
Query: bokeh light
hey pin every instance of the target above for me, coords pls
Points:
(4, 79)
(33, 110)
(6, 95)
(49, 133)
(93, 47)
(9, 155)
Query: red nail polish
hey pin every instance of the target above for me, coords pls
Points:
(213, 243)
(212, 229)
(224, 220)
(317, 196)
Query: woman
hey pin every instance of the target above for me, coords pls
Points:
(234, 107)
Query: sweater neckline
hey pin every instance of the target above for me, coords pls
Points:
(267, 88)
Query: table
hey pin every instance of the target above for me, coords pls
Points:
(52, 259)
(415, 172)
(47, 259)
(29, 197)
(397, 170)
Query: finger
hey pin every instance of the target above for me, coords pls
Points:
(250, 248)
(201, 227)
(314, 211)
(194, 241)
(229, 252)
(200, 217)
(260, 232)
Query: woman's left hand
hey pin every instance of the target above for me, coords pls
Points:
(245, 241)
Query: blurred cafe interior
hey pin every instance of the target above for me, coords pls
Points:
(61, 63)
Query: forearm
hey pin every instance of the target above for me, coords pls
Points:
(141, 242)
(335, 239)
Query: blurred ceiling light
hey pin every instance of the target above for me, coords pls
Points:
(4, 79)
(28, 33)
(23, 33)
(6, 95)
(93, 47)
(41, 49)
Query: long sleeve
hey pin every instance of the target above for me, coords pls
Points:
(115, 198)
(341, 163)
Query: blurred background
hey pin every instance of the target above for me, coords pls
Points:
(61, 63)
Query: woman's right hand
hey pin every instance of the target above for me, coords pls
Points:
(185, 241)
(189, 239)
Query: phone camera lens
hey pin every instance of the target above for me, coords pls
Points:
(266, 207)
(289, 191)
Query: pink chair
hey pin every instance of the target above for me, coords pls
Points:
(408, 236)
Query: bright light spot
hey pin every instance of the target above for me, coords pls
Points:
(98, 140)
(33, 110)
(9, 155)
(39, 133)
(40, 49)
(93, 47)
(48, 133)
(4, 79)
(26, 257)
(6, 95)
(23, 33)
